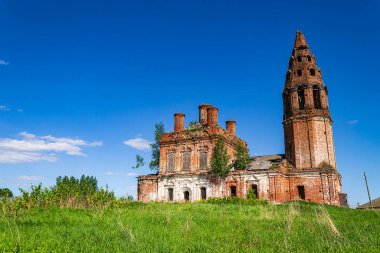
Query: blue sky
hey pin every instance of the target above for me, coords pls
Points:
(79, 78)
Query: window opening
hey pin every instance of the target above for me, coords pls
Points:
(203, 161)
(317, 97)
(301, 98)
(186, 161)
(171, 163)
(301, 192)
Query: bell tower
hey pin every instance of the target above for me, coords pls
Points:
(307, 122)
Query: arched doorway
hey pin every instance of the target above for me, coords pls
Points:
(255, 190)
(203, 193)
(186, 195)
(233, 191)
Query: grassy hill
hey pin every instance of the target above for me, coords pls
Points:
(192, 227)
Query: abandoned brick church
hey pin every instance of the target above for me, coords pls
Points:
(307, 171)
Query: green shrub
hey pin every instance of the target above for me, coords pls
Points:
(67, 192)
(251, 194)
(5, 193)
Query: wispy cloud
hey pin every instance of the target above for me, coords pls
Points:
(2, 62)
(114, 173)
(138, 143)
(4, 108)
(119, 173)
(30, 148)
(7, 108)
(30, 178)
(353, 122)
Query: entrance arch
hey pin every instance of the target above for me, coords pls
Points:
(186, 194)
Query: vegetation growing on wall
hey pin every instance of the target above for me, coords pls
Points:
(242, 157)
(220, 159)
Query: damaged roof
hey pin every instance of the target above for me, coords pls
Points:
(265, 162)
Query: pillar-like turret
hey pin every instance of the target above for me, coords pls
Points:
(307, 123)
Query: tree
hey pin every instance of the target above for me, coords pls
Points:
(5, 193)
(139, 162)
(220, 158)
(159, 130)
(241, 156)
(193, 123)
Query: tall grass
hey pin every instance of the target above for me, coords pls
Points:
(192, 227)
(76, 216)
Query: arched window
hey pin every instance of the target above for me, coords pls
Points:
(186, 161)
(299, 58)
(171, 163)
(203, 160)
(301, 98)
(308, 58)
(312, 72)
(299, 72)
(317, 97)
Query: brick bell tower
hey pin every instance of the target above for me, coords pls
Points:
(307, 122)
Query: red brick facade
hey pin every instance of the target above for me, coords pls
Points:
(307, 171)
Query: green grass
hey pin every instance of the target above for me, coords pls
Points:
(192, 227)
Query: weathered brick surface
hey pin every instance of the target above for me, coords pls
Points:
(307, 128)
(309, 161)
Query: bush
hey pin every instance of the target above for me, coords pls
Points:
(5, 193)
(251, 194)
(67, 192)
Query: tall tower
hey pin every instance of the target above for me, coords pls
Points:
(307, 122)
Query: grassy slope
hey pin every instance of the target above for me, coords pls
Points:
(189, 227)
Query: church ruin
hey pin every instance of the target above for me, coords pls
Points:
(307, 171)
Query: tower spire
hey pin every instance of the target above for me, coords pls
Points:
(300, 41)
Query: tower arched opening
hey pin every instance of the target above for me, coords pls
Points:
(301, 97)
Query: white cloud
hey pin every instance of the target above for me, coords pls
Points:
(132, 174)
(30, 178)
(2, 62)
(353, 122)
(4, 108)
(138, 143)
(31, 148)
(113, 173)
